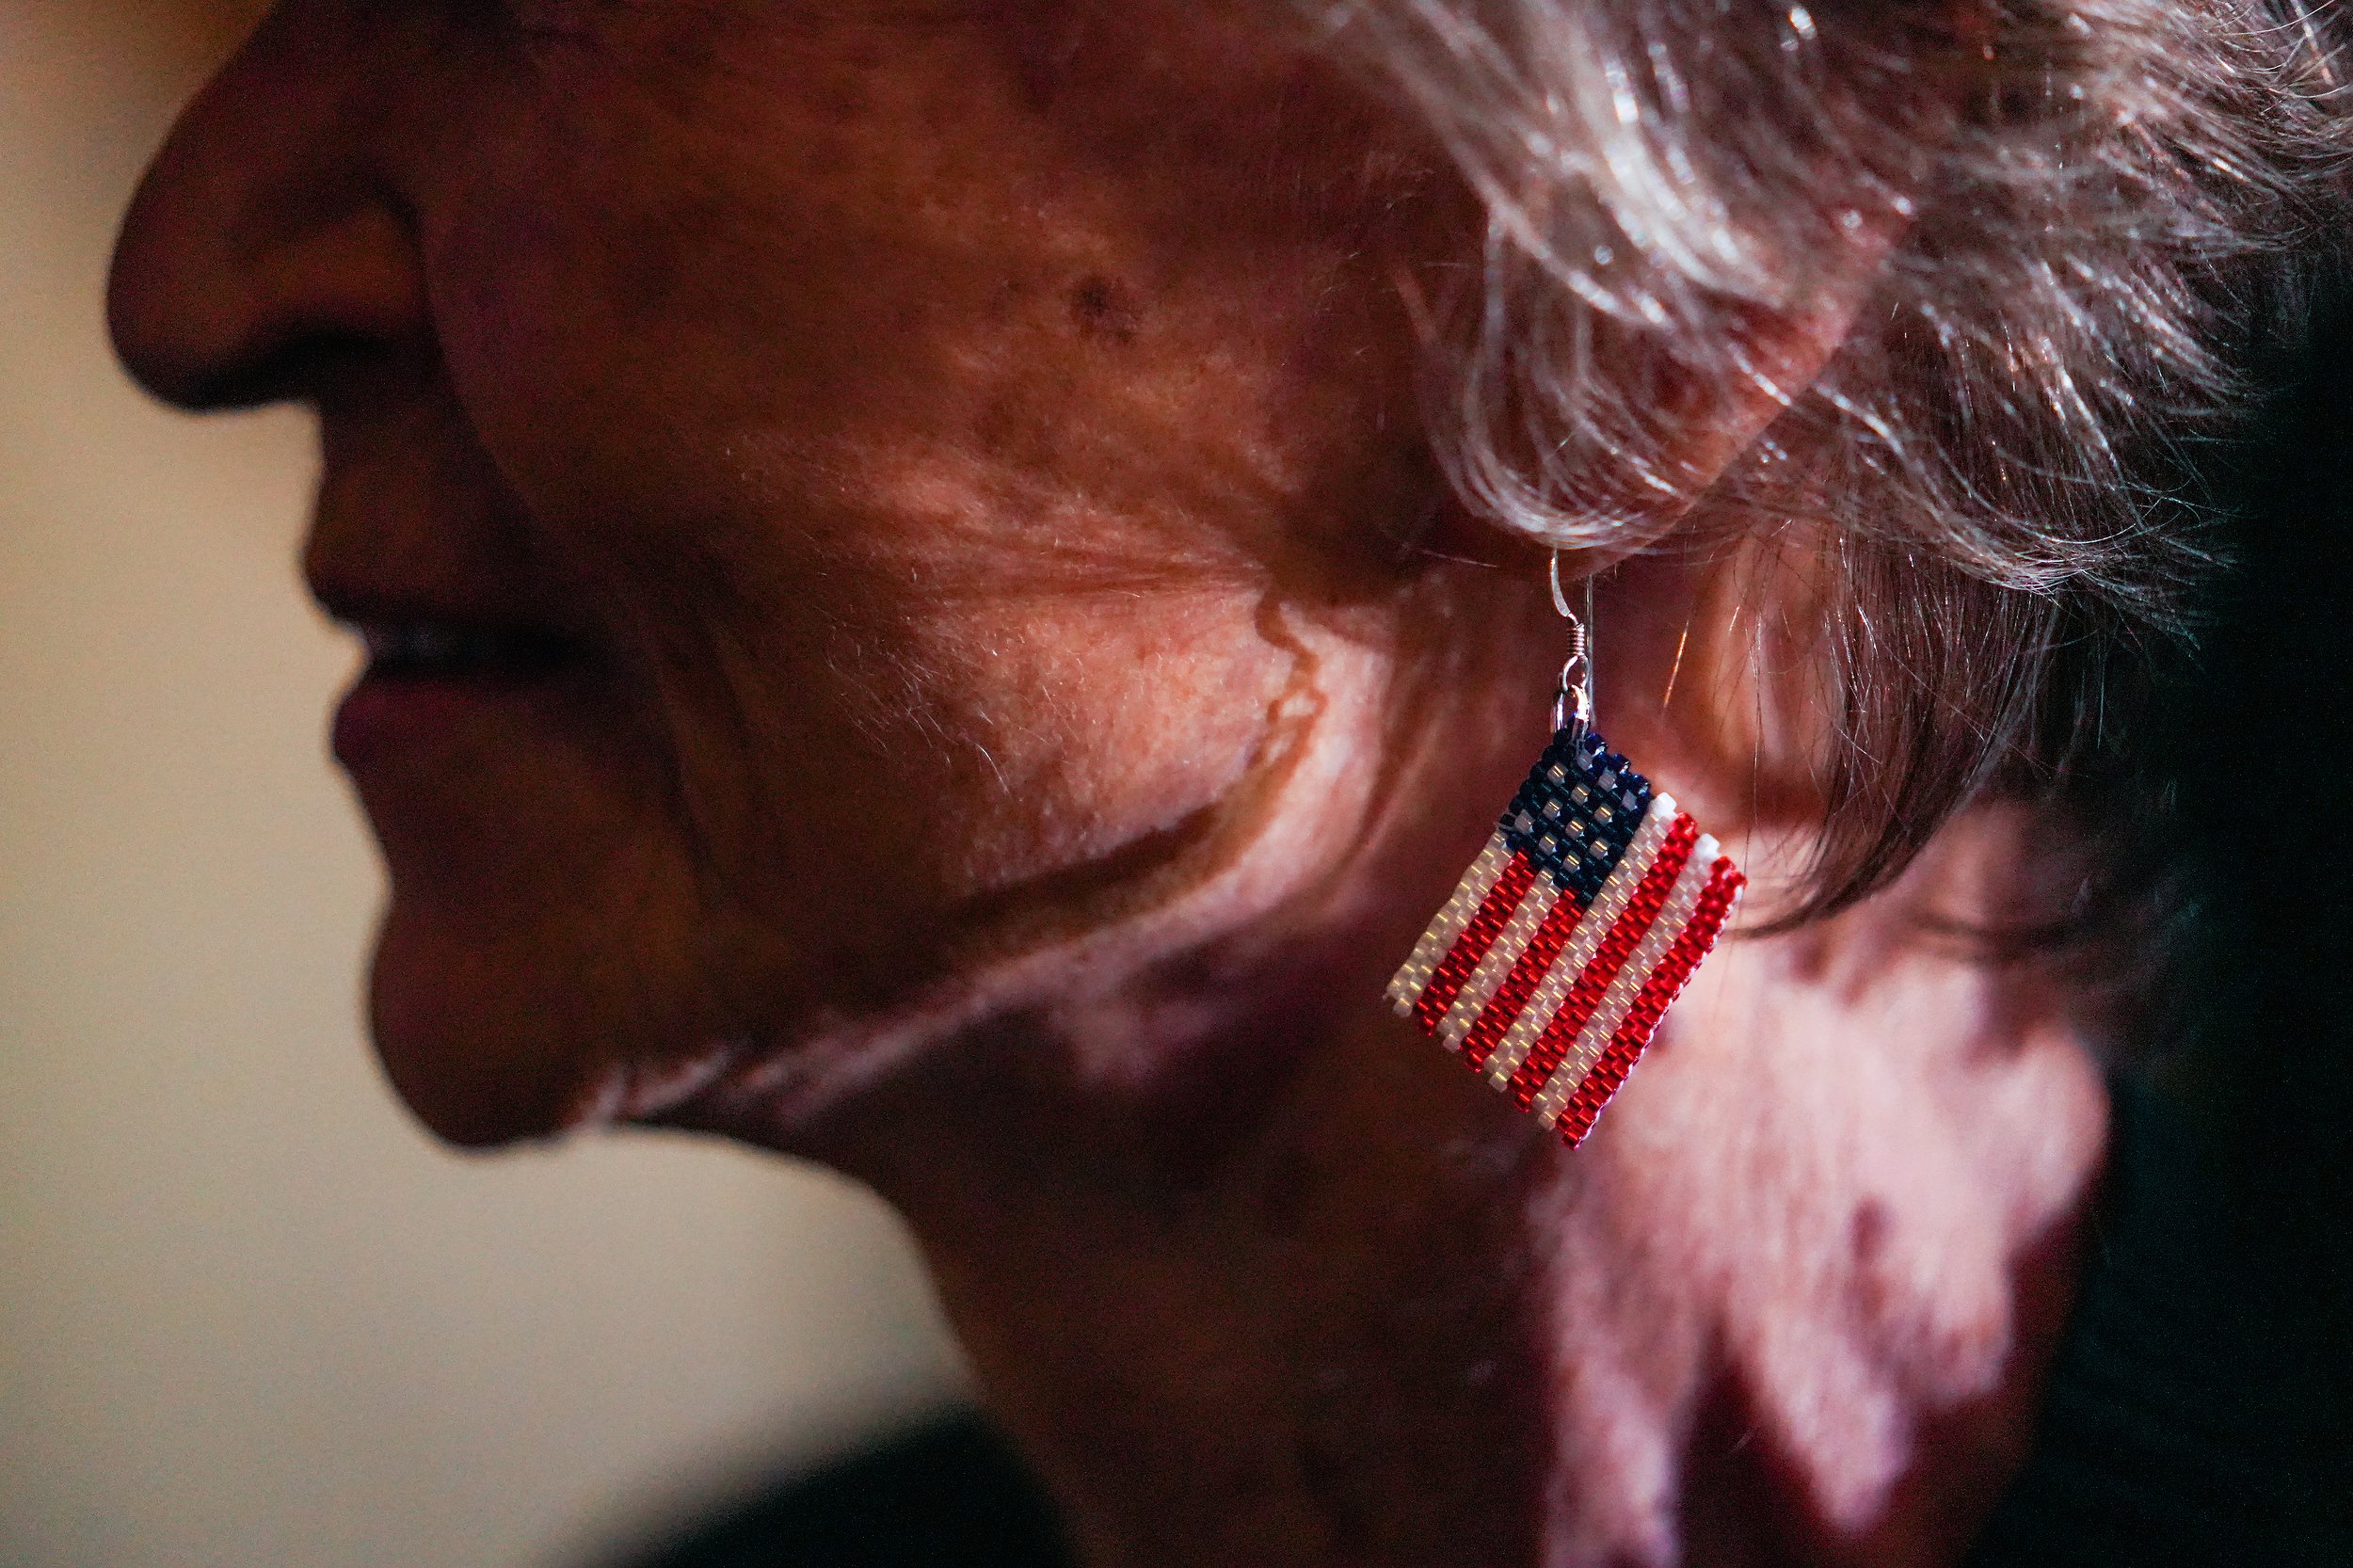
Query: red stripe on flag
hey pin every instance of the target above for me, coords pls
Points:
(1642, 1020)
(1479, 934)
(1666, 982)
(1542, 948)
(1626, 933)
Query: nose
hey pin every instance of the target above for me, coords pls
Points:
(263, 239)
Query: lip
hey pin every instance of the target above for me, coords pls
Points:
(382, 716)
(431, 670)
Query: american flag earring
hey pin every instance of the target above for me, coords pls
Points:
(1593, 901)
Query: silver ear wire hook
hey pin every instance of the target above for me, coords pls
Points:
(1576, 676)
(1584, 819)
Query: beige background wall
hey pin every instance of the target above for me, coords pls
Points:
(248, 1315)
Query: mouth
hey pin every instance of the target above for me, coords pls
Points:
(430, 674)
(412, 648)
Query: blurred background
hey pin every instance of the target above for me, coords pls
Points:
(249, 1313)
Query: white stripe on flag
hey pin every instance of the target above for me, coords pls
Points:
(1413, 978)
(1534, 906)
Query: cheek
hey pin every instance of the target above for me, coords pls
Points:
(886, 743)
(907, 647)
(942, 519)
(1073, 738)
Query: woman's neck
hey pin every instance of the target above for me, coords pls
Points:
(1308, 1293)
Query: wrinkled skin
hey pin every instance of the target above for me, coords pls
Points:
(858, 384)
(1002, 732)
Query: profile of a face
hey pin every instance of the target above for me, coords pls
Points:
(842, 499)
(921, 611)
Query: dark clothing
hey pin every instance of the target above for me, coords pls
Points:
(2176, 1427)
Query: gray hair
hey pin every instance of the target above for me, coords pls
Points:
(1998, 467)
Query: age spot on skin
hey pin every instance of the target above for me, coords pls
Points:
(1107, 309)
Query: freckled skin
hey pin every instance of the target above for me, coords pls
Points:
(980, 443)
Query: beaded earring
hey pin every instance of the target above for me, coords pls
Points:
(1548, 969)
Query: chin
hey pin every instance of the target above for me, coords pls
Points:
(485, 1046)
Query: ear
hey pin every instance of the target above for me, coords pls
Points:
(1659, 305)
(1711, 658)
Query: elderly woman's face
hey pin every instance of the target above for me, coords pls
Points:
(842, 496)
